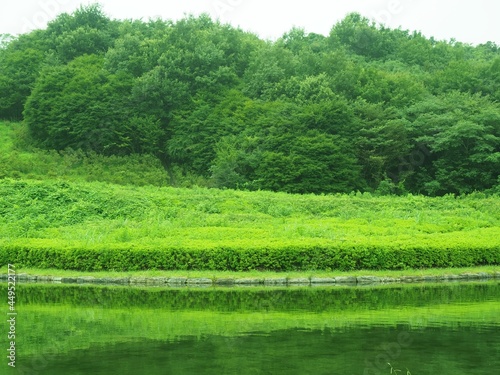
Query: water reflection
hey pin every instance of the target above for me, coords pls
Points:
(445, 329)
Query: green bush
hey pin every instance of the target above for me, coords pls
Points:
(290, 258)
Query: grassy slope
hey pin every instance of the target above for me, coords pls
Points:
(57, 214)
(91, 213)
(20, 160)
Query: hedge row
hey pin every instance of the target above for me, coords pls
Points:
(287, 258)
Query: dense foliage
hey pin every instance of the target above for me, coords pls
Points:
(365, 108)
(94, 226)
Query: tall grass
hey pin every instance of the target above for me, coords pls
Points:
(20, 159)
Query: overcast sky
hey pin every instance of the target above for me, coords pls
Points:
(465, 20)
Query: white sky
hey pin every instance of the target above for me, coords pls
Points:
(465, 20)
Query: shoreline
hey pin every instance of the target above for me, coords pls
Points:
(305, 281)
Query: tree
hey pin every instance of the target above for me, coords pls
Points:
(90, 16)
(269, 67)
(82, 107)
(311, 163)
(363, 37)
(20, 62)
(381, 142)
(87, 31)
(462, 133)
(227, 167)
(81, 41)
(18, 73)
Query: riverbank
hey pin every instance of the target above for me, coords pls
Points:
(209, 278)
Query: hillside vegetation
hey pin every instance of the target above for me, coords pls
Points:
(97, 226)
(192, 145)
(365, 108)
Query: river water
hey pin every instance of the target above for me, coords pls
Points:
(445, 329)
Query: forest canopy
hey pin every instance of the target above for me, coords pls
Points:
(366, 108)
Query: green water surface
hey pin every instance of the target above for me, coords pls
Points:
(428, 329)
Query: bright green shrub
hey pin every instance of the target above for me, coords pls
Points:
(290, 258)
